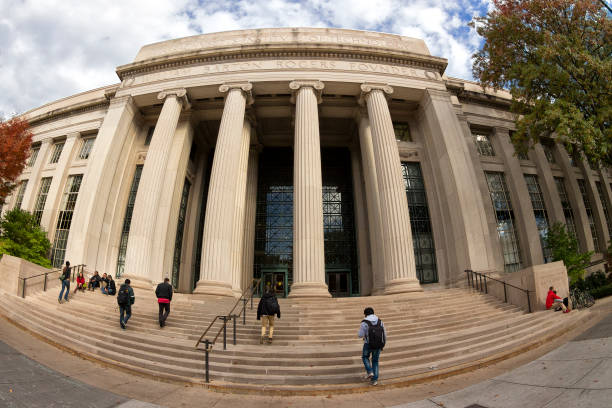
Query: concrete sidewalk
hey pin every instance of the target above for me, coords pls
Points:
(575, 372)
(578, 374)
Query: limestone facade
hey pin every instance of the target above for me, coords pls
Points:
(325, 161)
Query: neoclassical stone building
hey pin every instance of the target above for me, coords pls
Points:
(326, 161)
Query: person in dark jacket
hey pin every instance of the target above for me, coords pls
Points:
(268, 307)
(164, 297)
(111, 289)
(94, 281)
(125, 301)
(65, 278)
(104, 284)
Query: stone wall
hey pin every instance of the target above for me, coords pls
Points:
(12, 269)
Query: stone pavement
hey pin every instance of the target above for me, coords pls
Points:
(574, 374)
(578, 374)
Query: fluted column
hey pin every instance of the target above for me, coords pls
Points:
(372, 200)
(216, 274)
(150, 189)
(239, 210)
(400, 270)
(308, 241)
(248, 251)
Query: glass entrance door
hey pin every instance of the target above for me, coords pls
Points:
(339, 283)
(276, 278)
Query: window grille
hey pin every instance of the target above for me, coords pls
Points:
(33, 156)
(57, 152)
(420, 223)
(483, 144)
(180, 229)
(604, 205)
(539, 212)
(504, 215)
(402, 131)
(570, 223)
(86, 148)
(64, 219)
(45, 183)
(127, 221)
(20, 193)
(589, 211)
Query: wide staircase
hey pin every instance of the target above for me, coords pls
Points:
(315, 349)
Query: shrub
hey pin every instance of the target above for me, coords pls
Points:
(564, 247)
(602, 291)
(21, 236)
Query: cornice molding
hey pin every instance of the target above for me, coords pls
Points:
(69, 111)
(417, 61)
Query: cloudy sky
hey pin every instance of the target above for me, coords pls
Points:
(50, 49)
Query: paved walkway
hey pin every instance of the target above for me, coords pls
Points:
(577, 373)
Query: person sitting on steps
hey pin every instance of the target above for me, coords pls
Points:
(94, 281)
(111, 289)
(268, 307)
(553, 301)
(80, 280)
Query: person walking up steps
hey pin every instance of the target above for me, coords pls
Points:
(65, 278)
(125, 300)
(268, 307)
(374, 335)
(164, 297)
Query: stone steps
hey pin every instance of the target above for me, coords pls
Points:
(428, 335)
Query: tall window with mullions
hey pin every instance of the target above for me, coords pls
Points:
(420, 223)
(504, 215)
(180, 229)
(127, 221)
(604, 205)
(570, 223)
(589, 212)
(20, 194)
(539, 212)
(41, 199)
(64, 219)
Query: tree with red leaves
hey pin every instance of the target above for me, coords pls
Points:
(555, 58)
(15, 143)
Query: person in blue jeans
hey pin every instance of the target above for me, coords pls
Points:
(125, 300)
(372, 326)
(65, 278)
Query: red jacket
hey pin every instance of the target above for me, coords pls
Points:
(80, 279)
(550, 298)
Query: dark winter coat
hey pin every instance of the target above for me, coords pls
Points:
(268, 306)
(112, 289)
(164, 291)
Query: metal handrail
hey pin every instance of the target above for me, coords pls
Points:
(231, 315)
(73, 270)
(478, 285)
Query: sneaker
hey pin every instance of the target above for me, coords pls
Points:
(368, 377)
(269, 340)
(122, 324)
(374, 382)
(566, 311)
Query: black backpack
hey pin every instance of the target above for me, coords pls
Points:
(123, 297)
(376, 335)
(65, 274)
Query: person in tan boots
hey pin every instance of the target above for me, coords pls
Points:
(267, 308)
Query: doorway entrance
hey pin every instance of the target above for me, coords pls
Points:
(276, 277)
(339, 282)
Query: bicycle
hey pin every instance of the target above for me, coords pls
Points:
(581, 298)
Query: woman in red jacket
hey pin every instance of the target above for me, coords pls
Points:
(554, 301)
(80, 282)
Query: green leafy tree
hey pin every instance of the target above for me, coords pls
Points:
(21, 236)
(555, 58)
(564, 247)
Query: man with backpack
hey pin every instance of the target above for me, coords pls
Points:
(65, 278)
(125, 300)
(374, 335)
(164, 297)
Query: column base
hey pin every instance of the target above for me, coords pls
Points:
(402, 286)
(213, 288)
(237, 293)
(137, 281)
(309, 290)
(378, 292)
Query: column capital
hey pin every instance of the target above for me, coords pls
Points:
(315, 84)
(180, 93)
(368, 87)
(245, 87)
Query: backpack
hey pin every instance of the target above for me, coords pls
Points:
(376, 335)
(66, 274)
(123, 297)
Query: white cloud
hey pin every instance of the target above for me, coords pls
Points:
(50, 49)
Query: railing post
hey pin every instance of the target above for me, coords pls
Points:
(485, 280)
(224, 318)
(467, 278)
(234, 320)
(244, 302)
(252, 292)
(206, 344)
(45, 283)
(505, 294)
(528, 302)
(23, 288)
